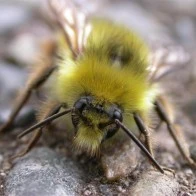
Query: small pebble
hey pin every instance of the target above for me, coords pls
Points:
(188, 172)
(87, 192)
(121, 162)
(153, 183)
(90, 190)
(105, 190)
(3, 174)
(120, 188)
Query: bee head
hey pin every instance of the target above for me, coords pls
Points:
(94, 122)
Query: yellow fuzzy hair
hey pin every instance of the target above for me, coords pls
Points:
(93, 73)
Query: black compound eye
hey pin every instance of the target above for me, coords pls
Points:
(80, 105)
(117, 115)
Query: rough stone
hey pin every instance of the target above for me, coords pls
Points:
(121, 162)
(153, 183)
(43, 172)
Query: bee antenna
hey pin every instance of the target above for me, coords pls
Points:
(140, 145)
(45, 121)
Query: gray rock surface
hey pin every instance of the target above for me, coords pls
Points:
(44, 172)
(153, 183)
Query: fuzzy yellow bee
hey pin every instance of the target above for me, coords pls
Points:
(103, 78)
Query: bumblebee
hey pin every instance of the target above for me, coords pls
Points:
(103, 77)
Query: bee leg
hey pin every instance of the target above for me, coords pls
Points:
(174, 131)
(35, 81)
(145, 131)
(52, 109)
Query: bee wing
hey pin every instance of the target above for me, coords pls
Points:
(165, 60)
(73, 23)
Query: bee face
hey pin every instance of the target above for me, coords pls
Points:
(93, 114)
(96, 118)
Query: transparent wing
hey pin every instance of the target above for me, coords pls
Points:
(73, 22)
(165, 60)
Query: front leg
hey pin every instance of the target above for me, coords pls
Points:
(145, 131)
(48, 110)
